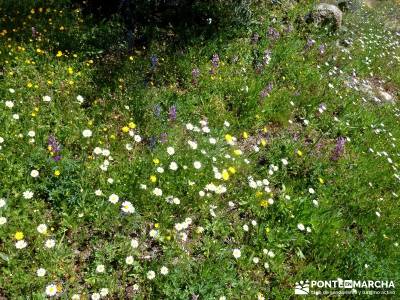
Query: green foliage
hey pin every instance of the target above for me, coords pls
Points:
(87, 120)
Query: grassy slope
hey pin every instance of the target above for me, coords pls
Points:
(119, 88)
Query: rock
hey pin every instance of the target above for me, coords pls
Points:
(349, 5)
(372, 90)
(327, 15)
(385, 96)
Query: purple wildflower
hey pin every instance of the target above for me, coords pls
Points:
(267, 90)
(54, 148)
(195, 75)
(157, 110)
(289, 28)
(255, 38)
(310, 44)
(152, 142)
(273, 34)
(154, 61)
(172, 113)
(322, 49)
(321, 108)
(163, 138)
(267, 57)
(214, 63)
(34, 33)
(339, 148)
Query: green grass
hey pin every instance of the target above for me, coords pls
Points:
(353, 214)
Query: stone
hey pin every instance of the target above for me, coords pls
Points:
(327, 15)
(349, 5)
(385, 96)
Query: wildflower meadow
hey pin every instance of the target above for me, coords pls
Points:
(241, 156)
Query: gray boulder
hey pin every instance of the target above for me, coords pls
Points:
(327, 15)
(349, 5)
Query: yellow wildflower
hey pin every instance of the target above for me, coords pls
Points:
(19, 235)
(237, 152)
(228, 138)
(225, 175)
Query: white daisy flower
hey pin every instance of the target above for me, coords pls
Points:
(9, 104)
(27, 194)
(50, 243)
(95, 296)
(157, 192)
(21, 244)
(87, 133)
(129, 260)
(197, 165)
(151, 275)
(105, 152)
(51, 290)
(100, 269)
(127, 207)
(236, 253)
(46, 98)
(104, 292)
(153, 233)
(170, 150)
(3, 220)
(164, 270)
(113, 198)
(40, 272)
(97, 150)
(192, 145)
(80, 99)
(134, 243)
(34, 173)
(42, 228)
(300, 227)
(173, 166)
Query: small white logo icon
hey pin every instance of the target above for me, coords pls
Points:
(348, 284)
(302, 288)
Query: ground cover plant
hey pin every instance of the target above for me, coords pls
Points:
(229, 163)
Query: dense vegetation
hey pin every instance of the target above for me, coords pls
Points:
(228, 158)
